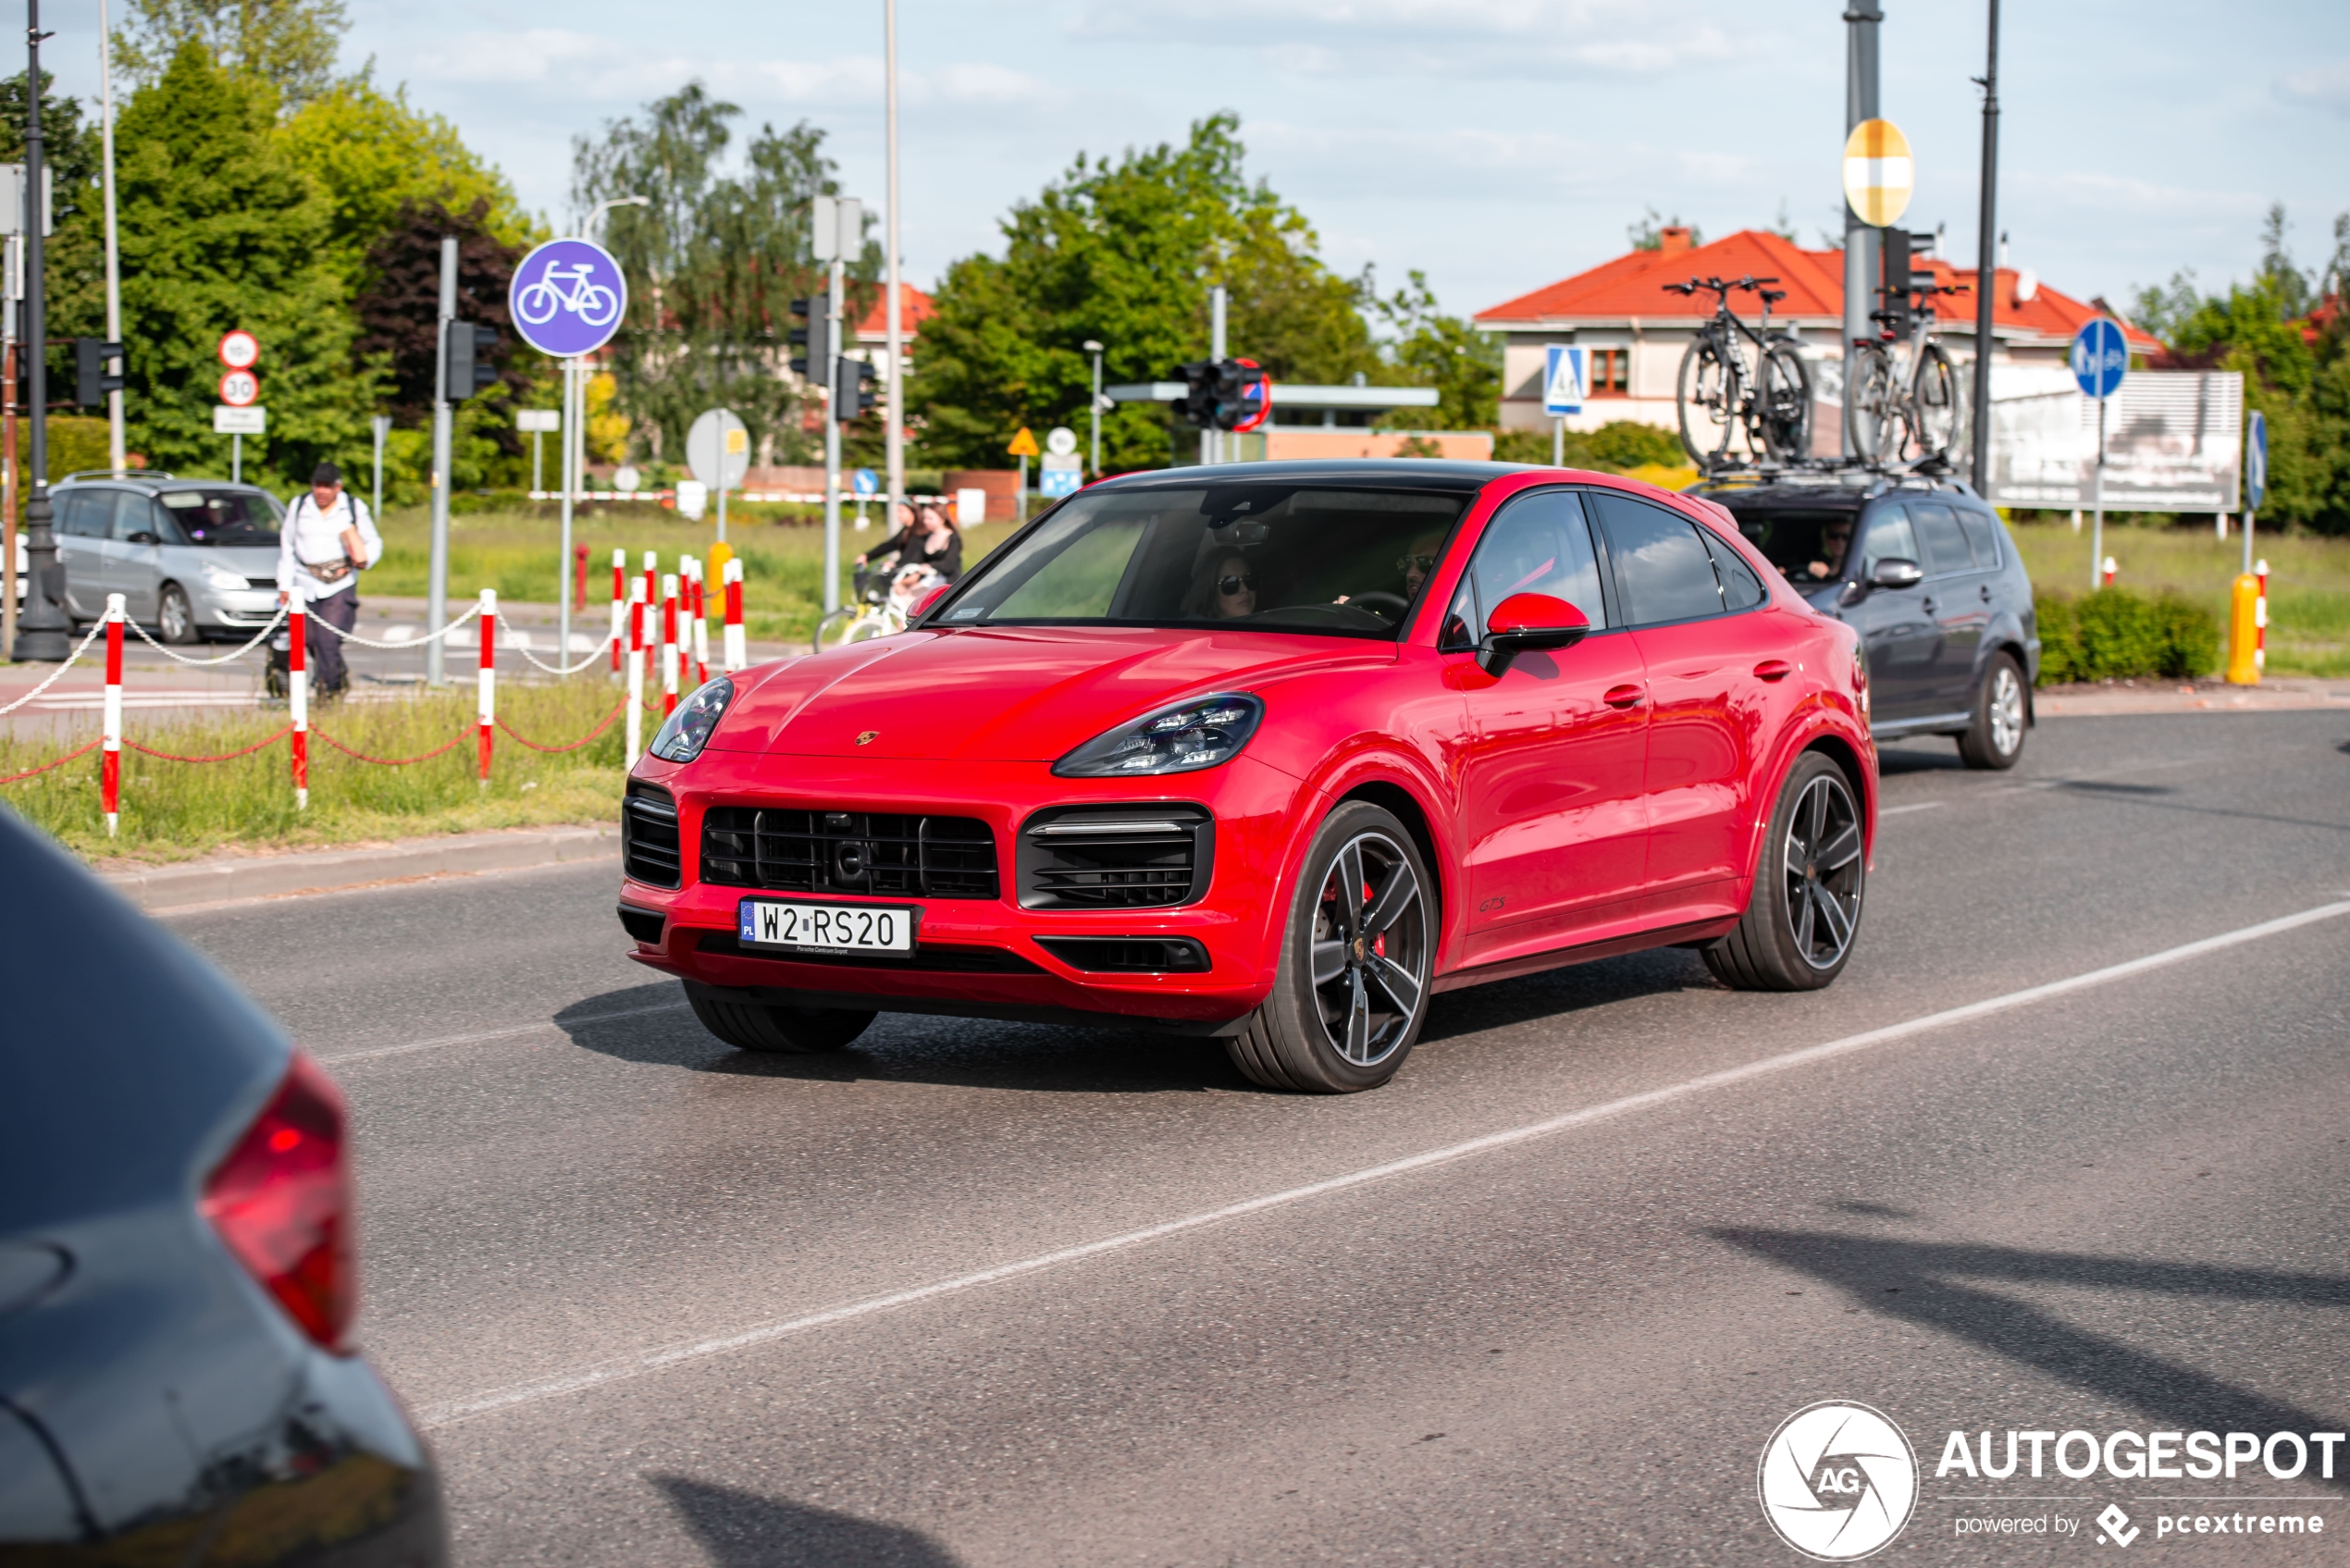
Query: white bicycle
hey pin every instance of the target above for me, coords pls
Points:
(885, 599)
(592, 302)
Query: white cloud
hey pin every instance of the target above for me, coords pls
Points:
(584, 67)
(2326, 86)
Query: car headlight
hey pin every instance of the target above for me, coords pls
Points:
(220, 577)
(687, 731)
(1201, 734)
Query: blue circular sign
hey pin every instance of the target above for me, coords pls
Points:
(567, 298)
(2100, 357)
(866, 482)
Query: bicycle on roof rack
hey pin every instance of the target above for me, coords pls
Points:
(1886, 413)
(1723, 389)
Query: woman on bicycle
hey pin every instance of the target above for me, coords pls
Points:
(930, 538)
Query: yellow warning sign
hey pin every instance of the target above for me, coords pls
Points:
(1879, 173)
(1023, 444)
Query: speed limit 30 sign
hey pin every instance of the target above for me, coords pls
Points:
(240, 389)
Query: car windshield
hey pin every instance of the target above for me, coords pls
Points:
(224, 517)
(1269, 556)
(1808, 545)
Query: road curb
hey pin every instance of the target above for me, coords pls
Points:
(233, 879)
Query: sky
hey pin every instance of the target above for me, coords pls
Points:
(1496, 144)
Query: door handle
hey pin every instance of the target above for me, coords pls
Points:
(1987, 593)
(1774, 670)
(1929, 606)
(1622, 697)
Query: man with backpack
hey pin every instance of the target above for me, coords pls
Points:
(327, 541)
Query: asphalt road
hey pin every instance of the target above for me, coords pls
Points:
(663, 1302)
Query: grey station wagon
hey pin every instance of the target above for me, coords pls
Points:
(189, 556)
(1926, 572)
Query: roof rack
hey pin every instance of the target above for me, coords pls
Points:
(1834, 473)
(110, 474)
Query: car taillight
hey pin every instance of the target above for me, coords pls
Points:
(281, 1201)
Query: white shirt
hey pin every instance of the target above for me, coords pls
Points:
(310, 535)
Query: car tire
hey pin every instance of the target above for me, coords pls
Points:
(1996, 738)
(763, 1026)
(1358, 950)
(1804, 914)
(175, 618)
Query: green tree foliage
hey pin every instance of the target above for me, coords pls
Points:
(2114, 634)
(1124, 252)
(289, 44)
(1617, 447)
(1430, 348)
(218, 231)
(713, 263)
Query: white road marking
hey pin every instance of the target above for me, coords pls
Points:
(450, 1411)
(1920, 806)
(373, 1052)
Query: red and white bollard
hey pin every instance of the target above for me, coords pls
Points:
(619, 605)
(669, 650)
(110, 760)
(298, 694)
(733, 654)
(2260, 619)
(653, 580)
(636, 671)
(488, 706)
(700, 619)
(2109, 569)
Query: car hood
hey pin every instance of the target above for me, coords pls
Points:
(254, 560)
(1006, 693)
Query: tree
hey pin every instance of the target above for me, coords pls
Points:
(1125, 253)
(221, 230)
(713, 262)
(1431, 349)
(290, 44)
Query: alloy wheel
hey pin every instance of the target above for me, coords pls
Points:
(1370, 949)
(1823, 871)
(2006, 710)
(173, 614)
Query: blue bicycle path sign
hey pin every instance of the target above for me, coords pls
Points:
(567, 298)
(2100, 357)
(866, 482)
(2256, 462)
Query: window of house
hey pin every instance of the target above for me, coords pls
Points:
(1610, 371)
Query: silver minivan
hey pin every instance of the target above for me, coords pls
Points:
(189, 556)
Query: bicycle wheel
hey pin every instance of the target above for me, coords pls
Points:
(1933, 404)
(1784, 410)
(534, 306)
(598, 305)
(1871, 410)
(1705, 394)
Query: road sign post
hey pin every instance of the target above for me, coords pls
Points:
(718, 450)
(567, 299)
(2100, 359)
(1561, 393)
(1060, 472)
(381, 425)
(1023, 447)
(837, 231)
(2256, 477)
(538, 422)
(237, 421)
(867, 484)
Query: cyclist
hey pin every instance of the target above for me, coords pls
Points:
(926, 536)
(327, 541)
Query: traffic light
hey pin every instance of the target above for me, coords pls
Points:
(853, 387)
(91, 380)
(469, 370)
(1226, 394)
(1197, 405)
(814, 339)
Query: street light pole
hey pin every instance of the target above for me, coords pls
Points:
(41, 627)
(1096, 406)
(1860, 240)
(894, 407)
(575, 445)
(436, 582)
(115, 454)
(1986, 258)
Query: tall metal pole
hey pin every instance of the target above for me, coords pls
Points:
(12, 476)
(835, 395)
(437, 588)
(2096, 506)
(894, 408)
(1211, 440)
(42, 626)
(114, 458)
(1094, 408)
(1860, 240)
(567, 421)
(1986, 259)
(380, 426)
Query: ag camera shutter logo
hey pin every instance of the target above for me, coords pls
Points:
(1838, 1481)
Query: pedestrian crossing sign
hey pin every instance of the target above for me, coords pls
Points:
(1562, 380)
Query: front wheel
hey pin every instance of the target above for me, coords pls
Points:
(1705, 394)
(174, 618)
(1357, 957)
(1805, 911)
(1934, 403)
(1996, 738)
(762, 1025)
(850, 624)
(1785, 414)
(1871, 408)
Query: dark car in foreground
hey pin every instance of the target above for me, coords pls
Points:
(1927, 573)
(177, 1379)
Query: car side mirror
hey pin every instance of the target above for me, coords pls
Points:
(1524, 624)
(143, 538)
(1896, 572)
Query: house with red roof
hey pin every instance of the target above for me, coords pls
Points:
(1637, 333)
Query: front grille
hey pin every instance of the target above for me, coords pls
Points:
(1115, 857)
(885, 854)
(648, 835)
(953, 960)
(1128, 955)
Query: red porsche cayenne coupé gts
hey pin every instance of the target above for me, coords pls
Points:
(1273, 753)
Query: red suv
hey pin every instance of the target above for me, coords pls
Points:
(1273, 753)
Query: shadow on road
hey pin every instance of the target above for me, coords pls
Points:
(1921, 1283)
(740, 1529)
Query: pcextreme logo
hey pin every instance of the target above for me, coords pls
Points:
(1838, 1480)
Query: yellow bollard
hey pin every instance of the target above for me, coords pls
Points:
(2244, 632)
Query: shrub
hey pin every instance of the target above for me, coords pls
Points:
(2114, 634)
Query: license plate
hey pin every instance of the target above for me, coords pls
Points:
(827, 928)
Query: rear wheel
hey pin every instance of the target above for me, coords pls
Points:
(1785, 411)
(750, 1025)
(1356, 958)
(173, 617)
(1996, 738)
(1934, 403)
(1805, 911)
(1871, 406)
(1705, 394)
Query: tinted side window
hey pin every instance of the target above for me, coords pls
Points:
(1540, 544)
(1889, 538)
(1741, 588)
(131, 514)
(1946, 548)
(1981, 538)
(1661, 567)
